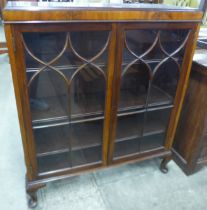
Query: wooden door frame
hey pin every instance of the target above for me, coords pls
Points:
(22, 95)
(181, 86)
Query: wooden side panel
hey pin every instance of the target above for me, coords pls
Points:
(190, 140)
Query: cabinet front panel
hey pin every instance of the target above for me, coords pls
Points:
(150, 71)
(66, 78)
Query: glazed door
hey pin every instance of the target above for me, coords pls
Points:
(66, 76)
(149, 68)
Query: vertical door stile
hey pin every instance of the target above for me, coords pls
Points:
(109, 93)
(182, 85)
(116, 87)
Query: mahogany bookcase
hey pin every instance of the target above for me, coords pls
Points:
(97, 86)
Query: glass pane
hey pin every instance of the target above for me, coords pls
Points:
(129, 132)
(152, 62)
(155, 127)
(165, 81)
(172, 41)
(66, 78)
(138, 43)
(134, 86)
(152, 142)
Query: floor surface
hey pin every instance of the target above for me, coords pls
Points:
(139, 186)
(2, 36)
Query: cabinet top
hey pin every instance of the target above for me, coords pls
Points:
(20, 11)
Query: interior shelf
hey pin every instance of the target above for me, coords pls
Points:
(130, 101)
(70, 160)
(141, 133)
(133, 127)
(139, 145)
(51, 141)
(91, 109)
(93, 155)
(60, 139)
(101, 63)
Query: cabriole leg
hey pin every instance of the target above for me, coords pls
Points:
(163, 165)
(32, 199)
(32, 189)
